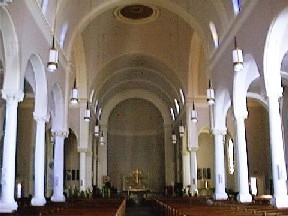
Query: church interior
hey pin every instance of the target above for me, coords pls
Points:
(179, 103)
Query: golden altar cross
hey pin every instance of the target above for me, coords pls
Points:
(136, 175)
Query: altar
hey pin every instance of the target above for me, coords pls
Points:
(136, 184)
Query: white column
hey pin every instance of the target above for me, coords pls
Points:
(39, 162)
(7, 202)
(186, 169)
(83, 170)
(58, 166)
(185, 161)
(89, 169)
(219, 177)
(169, 155)
(280, 198)
(177, 152)
(95, 145)
(193, 165)
(192, 145)
(102, 161)
(242, 160)
(83, 146)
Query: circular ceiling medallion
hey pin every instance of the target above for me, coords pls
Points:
(136, 13)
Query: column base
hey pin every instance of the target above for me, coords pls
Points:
(58, 198)
(38, 201)
(8, 207)
(220, 196)
(280, 202)
(244, 198)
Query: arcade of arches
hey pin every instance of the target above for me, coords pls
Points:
(141, 69)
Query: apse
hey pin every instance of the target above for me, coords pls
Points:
(136, 141)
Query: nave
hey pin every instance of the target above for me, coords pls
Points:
(143, 95)
(152, 206)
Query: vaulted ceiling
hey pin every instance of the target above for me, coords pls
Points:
(159, 46)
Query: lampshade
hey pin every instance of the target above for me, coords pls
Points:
(237, 57)
(74, 94)
(194, 114)
(101, 140)
(174, 139)
(96, 129)
(52, 64)
(87, 113)
(210, 94)
(52, 139)
(181, 130)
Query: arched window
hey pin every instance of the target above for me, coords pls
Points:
(177, 106)
(44, 5)
(182, 96)
(214, 34)
(172, 113)
(63, 33)
(236, 6)
(230, 155)
(96, 106)
(99, 113)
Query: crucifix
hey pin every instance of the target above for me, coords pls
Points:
(137, 174)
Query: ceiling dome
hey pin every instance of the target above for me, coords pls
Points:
(136, 13)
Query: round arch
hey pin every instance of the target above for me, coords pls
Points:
(57, 108)
(276, 46)
(11, 51)
(122, 65)
(40, 85)
(241, 83)
(142, 94)
(173, 7)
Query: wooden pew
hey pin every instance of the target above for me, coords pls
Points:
(164, 206)
(96, 207)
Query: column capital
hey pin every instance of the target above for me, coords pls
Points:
(275, 93)
(216, 131)
(82, 150)
(193, 149)
(63, 133)
(241, 115)
(12, 95)
(39, 117)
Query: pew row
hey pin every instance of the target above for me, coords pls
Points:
(96, 207)
(164, 206)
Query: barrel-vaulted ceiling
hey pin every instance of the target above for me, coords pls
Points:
(155, 45)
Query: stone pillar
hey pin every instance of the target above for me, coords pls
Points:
(186, 169)
(7, 202)
(220, 193)
(83, 145)
(242, 161)
(177, 152)
(169, 163)
(83, 170)
(89, 168)
(192, 144)
(280, 198)
(58, 166)
(193, 165)
(102, 161)
(39, 162)
(186, 172)
(95, 155)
